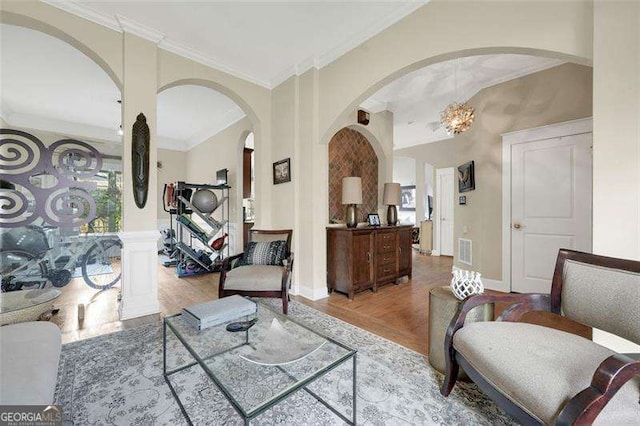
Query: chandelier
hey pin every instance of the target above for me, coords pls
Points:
(457, 117)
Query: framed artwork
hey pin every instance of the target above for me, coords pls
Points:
(373, 219)
(408, 198)
(466, 178)
(282, 171)
(462, 200)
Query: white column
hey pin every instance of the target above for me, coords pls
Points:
(139, 226)
(139, 274)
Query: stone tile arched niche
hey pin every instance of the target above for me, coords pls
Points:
(351, 154)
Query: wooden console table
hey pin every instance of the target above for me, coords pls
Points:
(366, 258)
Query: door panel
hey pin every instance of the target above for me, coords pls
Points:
(404, 248)
(550, 206)
(363, 258)
(445, 210)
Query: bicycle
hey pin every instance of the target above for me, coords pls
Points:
(29, 256)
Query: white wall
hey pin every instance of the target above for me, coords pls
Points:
(404, 173)
(616, 137)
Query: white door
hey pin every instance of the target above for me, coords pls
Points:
(550, 207)
(444, 210)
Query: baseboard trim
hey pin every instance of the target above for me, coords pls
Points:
(495, 285)
(313, 293)
(435, 252)
(130, 312)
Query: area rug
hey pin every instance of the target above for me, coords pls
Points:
(117, 379)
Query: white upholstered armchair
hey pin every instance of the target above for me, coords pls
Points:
(263, 270)
(541, 375)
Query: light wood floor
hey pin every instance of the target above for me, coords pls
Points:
(397, 312)
(400, 312)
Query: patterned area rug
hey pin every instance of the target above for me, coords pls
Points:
(116, 379)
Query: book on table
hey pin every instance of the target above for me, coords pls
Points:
(220, 311)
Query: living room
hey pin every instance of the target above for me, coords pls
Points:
(294, 105)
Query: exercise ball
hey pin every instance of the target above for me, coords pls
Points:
(204, 200)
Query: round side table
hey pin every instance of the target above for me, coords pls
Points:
(442, 307)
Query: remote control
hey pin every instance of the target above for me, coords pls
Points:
(241, 325)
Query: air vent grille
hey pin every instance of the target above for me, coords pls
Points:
(464, 251)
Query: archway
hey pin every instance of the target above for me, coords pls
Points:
(352, 154)
(346, 115)
(98, 51)
(62, 120)
(207, 124)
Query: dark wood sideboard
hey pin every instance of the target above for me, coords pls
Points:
(366, 258)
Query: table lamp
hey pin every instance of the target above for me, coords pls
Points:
(391, 198)
(351, 195)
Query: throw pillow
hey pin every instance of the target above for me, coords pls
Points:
(264, 253)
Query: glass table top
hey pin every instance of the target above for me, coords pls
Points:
(250, 386)
(23, 299)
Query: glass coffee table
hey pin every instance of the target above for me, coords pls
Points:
(253, 388)
(26, 305)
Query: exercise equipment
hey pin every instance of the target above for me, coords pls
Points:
(205, 201)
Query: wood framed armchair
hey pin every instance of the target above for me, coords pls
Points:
(259, 280)
(541, 375)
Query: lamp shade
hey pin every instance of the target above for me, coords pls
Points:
(391, 195)
(351, 190)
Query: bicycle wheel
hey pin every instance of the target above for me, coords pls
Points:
(101, 268)
(20, 268)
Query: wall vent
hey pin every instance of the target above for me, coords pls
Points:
(464, 251)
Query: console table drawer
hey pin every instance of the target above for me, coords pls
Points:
(385, 247)
(386, 271)
(386, 258)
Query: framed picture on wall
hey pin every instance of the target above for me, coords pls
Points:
(282, 171)
(408, 198)
(466, 178)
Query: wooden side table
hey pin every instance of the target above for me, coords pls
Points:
(442, 307)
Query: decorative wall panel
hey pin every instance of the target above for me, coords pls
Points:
(351, 154)
(49, 183)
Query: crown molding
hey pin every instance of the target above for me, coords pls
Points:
(523, 72)
(132, 27)
(121, 24)
(374, 105)
(318, 61)
(225, 121)
(84, 11)
(331, 55)
(172, 144)
(189, 53)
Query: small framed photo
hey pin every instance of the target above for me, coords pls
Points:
(408, 198)
(466, 178)
(462, 200)
(282, 171)
(373, 219)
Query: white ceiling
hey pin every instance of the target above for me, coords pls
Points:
(417, 99)
(262, 41)
(46, 84)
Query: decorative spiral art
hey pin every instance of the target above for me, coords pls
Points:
(67, 203)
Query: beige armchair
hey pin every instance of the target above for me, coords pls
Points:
(259, 280)
(541, 375)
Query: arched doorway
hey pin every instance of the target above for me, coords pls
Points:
(351, 154)
(61, 119)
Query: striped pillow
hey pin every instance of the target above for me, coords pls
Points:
(264, 253)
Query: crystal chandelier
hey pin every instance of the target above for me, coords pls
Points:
(457, 117)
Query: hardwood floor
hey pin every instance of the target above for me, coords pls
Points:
(399, 313)
(101, 312)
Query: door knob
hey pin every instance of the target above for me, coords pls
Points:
(517, 225)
